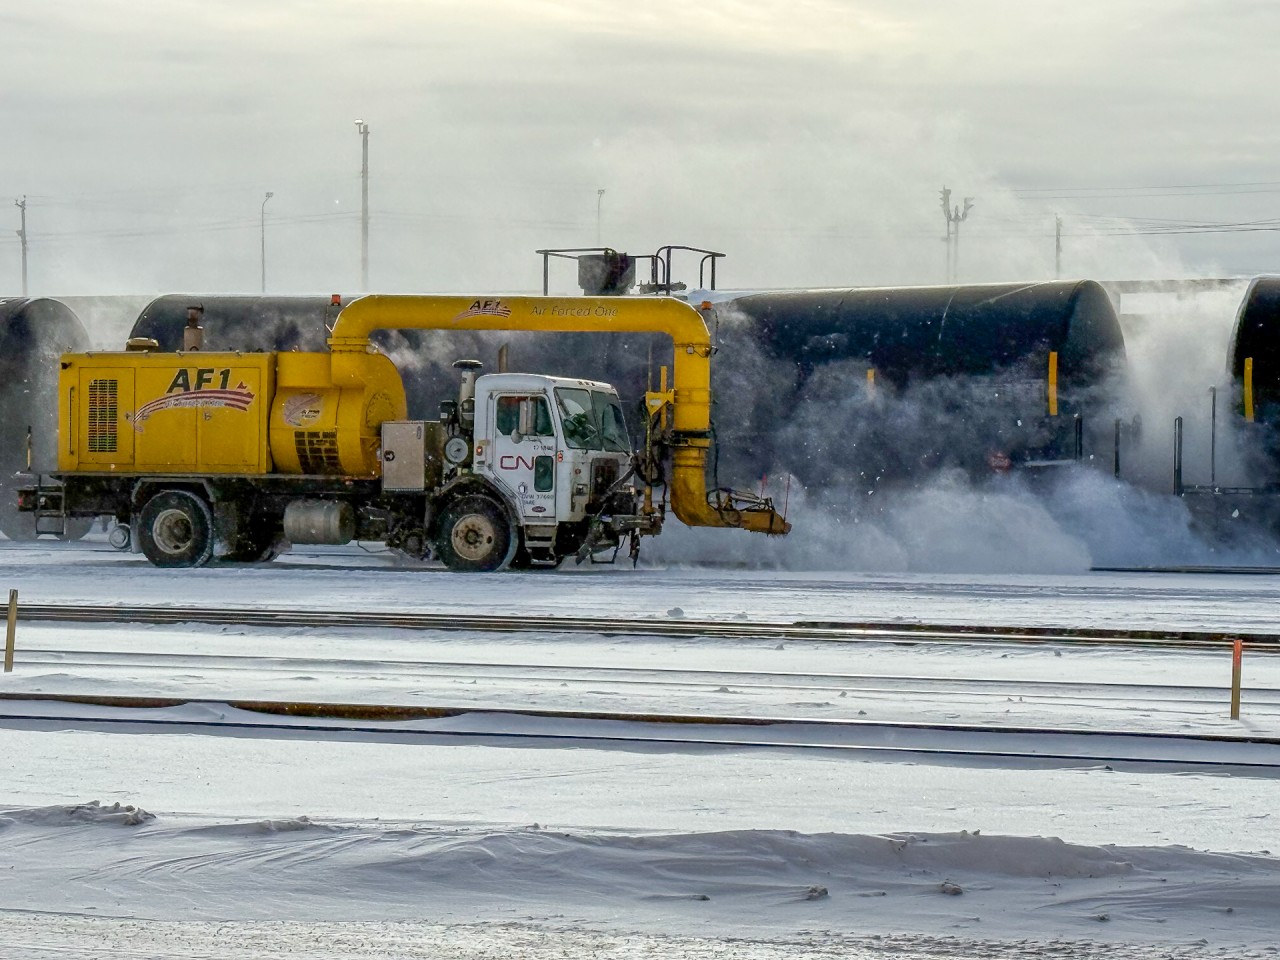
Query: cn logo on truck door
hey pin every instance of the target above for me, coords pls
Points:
(526, 463)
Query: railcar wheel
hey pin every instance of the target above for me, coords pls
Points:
(120, 537)
(176, 530)
(474, 535)
(17, 526)
(77, 528)
(22, 526)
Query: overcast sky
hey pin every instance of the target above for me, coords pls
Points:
(807, 139)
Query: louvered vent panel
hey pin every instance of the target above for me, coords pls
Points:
(103, 414)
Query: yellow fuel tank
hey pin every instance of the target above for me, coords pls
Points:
(319, 428)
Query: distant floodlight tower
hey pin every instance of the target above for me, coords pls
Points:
(262, 233)
(599, 204)
(363, 129)
(954, 217)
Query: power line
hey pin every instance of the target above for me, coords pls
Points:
(1150, 186)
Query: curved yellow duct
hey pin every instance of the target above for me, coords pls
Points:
(691, 374)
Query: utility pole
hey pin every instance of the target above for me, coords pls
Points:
(262, 224)
(945, 195)
(22, 235)
(1057, 247)
(599, 204)
(363, 129)
(954, 217)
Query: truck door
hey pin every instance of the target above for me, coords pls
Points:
(525, 463)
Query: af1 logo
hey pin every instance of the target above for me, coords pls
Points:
(202, 387)
(204, 377)
(484, 308)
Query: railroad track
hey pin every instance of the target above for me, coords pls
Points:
(831, 631)
(427, 725)
(1096, 694)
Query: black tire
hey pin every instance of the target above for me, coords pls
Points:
(474, 535)
(258, 544)
(175, 529)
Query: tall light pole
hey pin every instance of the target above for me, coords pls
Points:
(22, 235)
(599, 204)
(954, 216)
(945, 195)
(363, 129)
(262, 223)
(1057, 247)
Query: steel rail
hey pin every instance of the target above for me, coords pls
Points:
(365, 716)
(797, 630)
(1101, 691)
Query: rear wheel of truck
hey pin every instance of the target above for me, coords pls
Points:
(258, 544)
(176, 530)
(475, 535)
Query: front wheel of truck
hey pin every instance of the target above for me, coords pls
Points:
(474, 535)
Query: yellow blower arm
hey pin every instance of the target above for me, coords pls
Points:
(689, 400)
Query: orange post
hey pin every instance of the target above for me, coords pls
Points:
(1237, 655)
(1053, 383)
(1248, 389)
(11, 632)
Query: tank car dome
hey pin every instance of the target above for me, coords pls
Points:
(34, 333)
(911, 332)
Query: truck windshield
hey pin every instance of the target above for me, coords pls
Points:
(592, 420)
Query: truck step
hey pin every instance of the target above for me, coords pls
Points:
(52, 524)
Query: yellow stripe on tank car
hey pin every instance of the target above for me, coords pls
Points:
(1053, 383)
(1248, 389)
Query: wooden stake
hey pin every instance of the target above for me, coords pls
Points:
(11, 632)
(1237, 655)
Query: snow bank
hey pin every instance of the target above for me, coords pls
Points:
(731, 882)
(124, 815)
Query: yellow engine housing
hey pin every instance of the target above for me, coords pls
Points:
(320, 428)
(223, 413)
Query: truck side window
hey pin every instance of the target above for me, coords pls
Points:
(544, 474)
(507, 416)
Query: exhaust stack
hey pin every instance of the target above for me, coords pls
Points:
(467, 390)
(193, 335)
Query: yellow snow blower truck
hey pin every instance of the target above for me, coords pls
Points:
(234, 454)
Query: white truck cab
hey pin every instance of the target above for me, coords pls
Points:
(528, 469)
(552, 445)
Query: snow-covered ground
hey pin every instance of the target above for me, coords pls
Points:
(259, 843)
